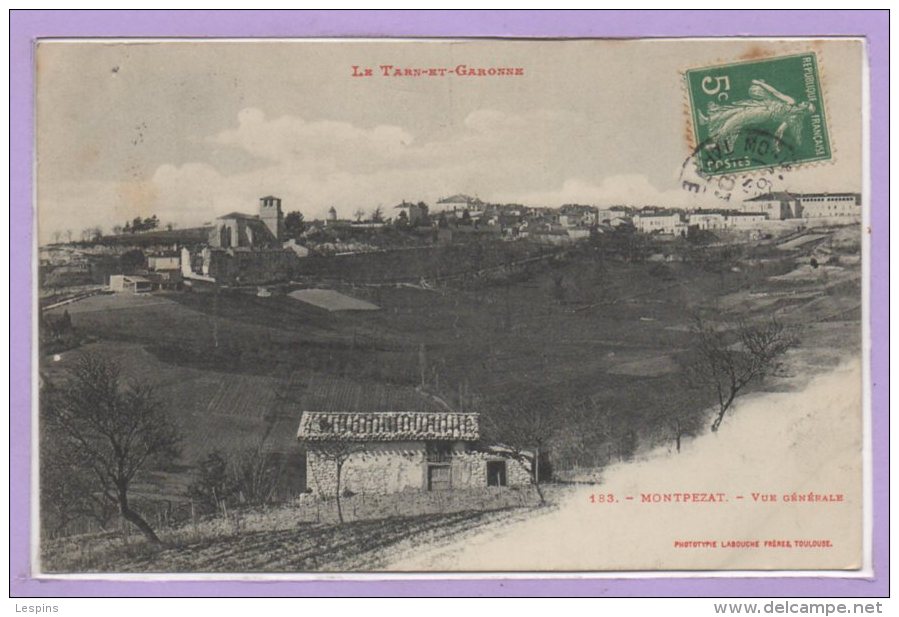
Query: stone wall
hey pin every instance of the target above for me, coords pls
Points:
(385, 468)
(470, 470)
(252, 266)
(382, 468)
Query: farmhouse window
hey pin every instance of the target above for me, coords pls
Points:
(439, 451)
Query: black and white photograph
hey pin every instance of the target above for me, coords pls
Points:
(450, 305)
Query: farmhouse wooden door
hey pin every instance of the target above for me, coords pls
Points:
(496, 473)
(439, 478)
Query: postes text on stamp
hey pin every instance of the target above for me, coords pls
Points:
(758, 114)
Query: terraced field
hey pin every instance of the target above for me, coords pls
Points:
(303, 547)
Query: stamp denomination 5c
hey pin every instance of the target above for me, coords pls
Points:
(758, 114)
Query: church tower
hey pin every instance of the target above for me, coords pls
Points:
(271, 215)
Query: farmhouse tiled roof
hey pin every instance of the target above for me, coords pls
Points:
(388, 426)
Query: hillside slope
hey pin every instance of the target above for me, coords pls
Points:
(772, 443)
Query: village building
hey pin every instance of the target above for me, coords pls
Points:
(706, 221)
(776, 206)
(460, 202)
(823, 205)
(660, 222)
(164, 262)
(746, 220)
(577, 215)
(128, 283)
(391, 452)
(783, 205)
(236, 229)
(416, 214)
(243, 249)
(607, 215)
(298, 249)
(619, 221)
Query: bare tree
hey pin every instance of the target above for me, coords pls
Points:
(728, 360)
(113, 430)
(211, 482)
(359, 213)
(677, 415)
(247, 476)
(254, 473)
(525, 427)
(377, 215)
(67, 493)
(338, 452)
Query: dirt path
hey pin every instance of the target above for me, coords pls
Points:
(770, 444)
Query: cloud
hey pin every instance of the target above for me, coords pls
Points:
(317, 145)
(539, 157)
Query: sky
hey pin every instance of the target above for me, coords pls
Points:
(191, 130)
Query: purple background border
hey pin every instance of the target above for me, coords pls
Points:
(25, 26)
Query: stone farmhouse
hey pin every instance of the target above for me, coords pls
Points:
(391, 452)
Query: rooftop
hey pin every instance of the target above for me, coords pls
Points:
(857, 196)
(778, 195)
(238, 215)
(388, 426)
(459, 198)
(647, 215)
(784, 196)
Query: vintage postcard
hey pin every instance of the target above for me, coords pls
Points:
(451, 305)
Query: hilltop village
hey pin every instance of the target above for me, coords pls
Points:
(258, 248)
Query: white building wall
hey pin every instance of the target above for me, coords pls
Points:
(117, 282)
(163, 263)
(743, 222)
(664, 224)
(773, 208)
(707, 221)
(831, 205)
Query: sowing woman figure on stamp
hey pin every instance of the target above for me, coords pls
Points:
(765, 106)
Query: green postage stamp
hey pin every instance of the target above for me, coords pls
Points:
(758, 114)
